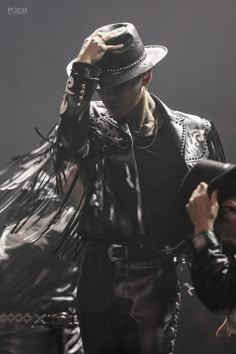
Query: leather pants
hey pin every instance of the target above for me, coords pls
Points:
(126, 307)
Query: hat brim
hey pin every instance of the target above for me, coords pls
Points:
(217, 175)
(223, 179)
(153, 55)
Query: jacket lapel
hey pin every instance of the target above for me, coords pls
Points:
(190, 134)
(177, 125)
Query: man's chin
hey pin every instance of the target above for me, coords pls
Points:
(121, 116)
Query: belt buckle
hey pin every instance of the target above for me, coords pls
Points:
(111, 255)
(61, 320)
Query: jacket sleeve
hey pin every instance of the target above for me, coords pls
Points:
(73, 131)
(216, 151)
(213, 274)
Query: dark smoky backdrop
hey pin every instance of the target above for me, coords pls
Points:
(198, 76)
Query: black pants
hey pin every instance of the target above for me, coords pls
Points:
(126, 307)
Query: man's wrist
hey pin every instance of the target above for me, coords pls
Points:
(203, 227)
(86, 70)
(204, 239)
(84, 59)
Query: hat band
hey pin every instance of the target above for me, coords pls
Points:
(128, 66)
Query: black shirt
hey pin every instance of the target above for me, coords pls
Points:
(161, 169)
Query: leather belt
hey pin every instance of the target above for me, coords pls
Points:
(56, 320)
(132, 251)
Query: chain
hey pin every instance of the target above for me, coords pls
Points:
(155, 127)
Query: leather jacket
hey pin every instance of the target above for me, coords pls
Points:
(213, 272)
(88, 135)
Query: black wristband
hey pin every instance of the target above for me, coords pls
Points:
(204, 239)
(86, 70)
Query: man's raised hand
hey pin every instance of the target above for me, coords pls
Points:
(94, 47)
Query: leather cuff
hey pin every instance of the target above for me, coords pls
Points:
(203, 240)
(86, 70)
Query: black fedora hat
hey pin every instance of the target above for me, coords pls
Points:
(218, 175)
(128, 62)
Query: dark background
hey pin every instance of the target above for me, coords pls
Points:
(197, 76)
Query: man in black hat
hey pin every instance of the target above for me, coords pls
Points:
(132, 152)
(212, 209)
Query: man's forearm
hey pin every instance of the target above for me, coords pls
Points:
(73, 131)
(212, 274)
